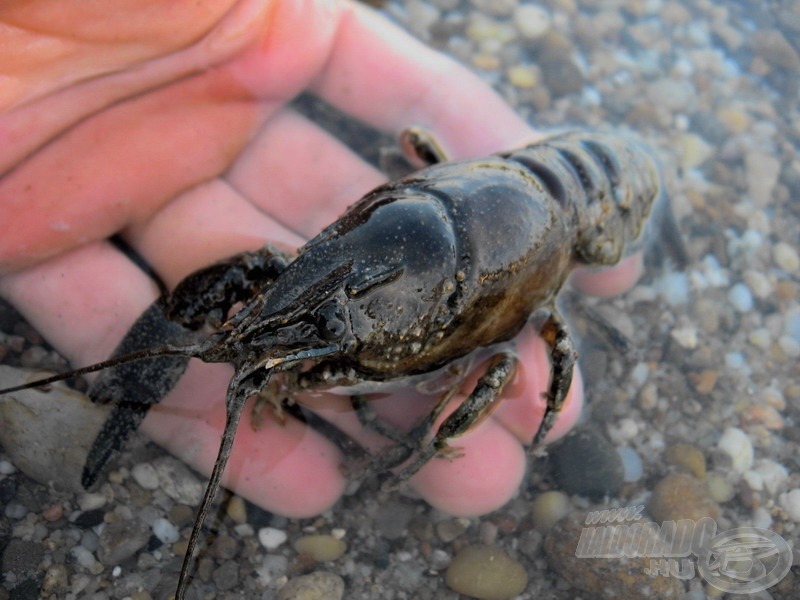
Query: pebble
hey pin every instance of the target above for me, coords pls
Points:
(319, 585)
(632, 466)
(762, 172)
(685, 336)
(236, 509)
(786, 257)
(531, 21)
(790, 502)
(625, 579)
(165, 531)
(486, 573)
(688, 458)
(145, 475)
(522, 77)
(271, 538)
(719, 488)
(681, 496)
(694, 150)
(90, 501)
(226, 576)
(322, 548)
(736, 449)
(548, 508)
(178, 482)
(450, 529)
(586, 463)
(121, 538)
(741, 298)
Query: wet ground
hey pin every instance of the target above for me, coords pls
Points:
(708, 409)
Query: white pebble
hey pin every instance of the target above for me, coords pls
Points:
(531, 21)
(632, 466)
(774, 475)
(761, 518)
(758, 283)
(145, 475)
(83, 557)
(6, 468)
(786, 257)
(89, 501)
(685, 336)
(623, 431)
(760, 338)
(790, 502)
(734, 360)
(741, 298)
(166, 531)
(737, 447)
(271, 538)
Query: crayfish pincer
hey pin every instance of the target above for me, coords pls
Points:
(417, 274)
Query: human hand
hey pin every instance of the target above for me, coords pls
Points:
(168, 126)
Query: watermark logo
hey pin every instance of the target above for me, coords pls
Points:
(740, 561)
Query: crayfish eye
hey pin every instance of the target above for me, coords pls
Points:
(331, 321)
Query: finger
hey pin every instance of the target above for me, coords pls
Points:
(301, 175)
(85, 300)
(385, 77)
(134, 157)
(609, 281)
(208, 223)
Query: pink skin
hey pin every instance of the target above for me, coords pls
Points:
(174, 134)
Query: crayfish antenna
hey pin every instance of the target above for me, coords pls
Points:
(191, 350)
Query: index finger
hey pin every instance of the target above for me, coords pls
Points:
(383, 76)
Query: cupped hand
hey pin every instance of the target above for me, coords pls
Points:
(166, 123)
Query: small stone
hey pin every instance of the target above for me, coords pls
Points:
(790, 502)
(531, 21)
(53, 512)
(166, 531)
(762, 175)
(319, 585)
(236, 509)
(620, 578)
(632, 465)
(89, 501)
(178, 481)
(549, 508)
(586, 463)
(741, 298)
(145, 475)
(450, 529)
(688, 458)
(226, 576)
(55, 581)
(271, 538)
(681, 496)
(719, 488)
(321, 548)
(522, 77)
(736, 449)
(704, 381)
(694, 150)
(763, 414)
(758, 283)
(685, 336)
(486, 573)
(786, 257)
(121, 539)
(735, 120)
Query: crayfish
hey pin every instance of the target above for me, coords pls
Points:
(420, 272)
